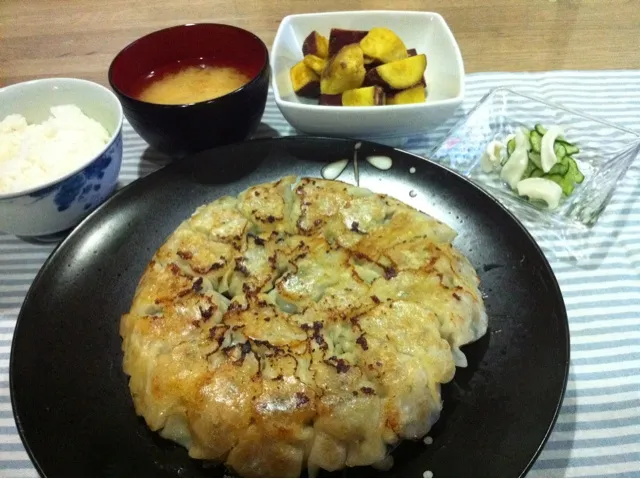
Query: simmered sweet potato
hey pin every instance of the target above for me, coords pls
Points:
(359, 68)
(367, 96)
(345, 71)
(304, 80)
(370, 63)
(383, 45)
(422, 83)
(317, 64)
(316, 44)
(398, 75)
(416, 94)
(331, 100)
(339, 38)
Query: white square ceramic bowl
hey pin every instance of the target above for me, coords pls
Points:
(425, 31)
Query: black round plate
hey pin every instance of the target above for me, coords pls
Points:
(71, 399)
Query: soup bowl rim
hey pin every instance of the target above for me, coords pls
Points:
(265, 67)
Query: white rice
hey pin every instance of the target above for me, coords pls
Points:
(32, 155)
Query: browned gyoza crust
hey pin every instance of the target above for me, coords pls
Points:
(302, 324)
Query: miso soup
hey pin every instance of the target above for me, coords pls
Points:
(183, 84)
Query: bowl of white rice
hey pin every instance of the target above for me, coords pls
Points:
(60, 153)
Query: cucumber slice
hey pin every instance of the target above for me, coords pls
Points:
(561, 167)
(574, 172)
(535, 159)
(540, 129)
(536, 141)
(571, 149)
(537, 173)
(564, 160)
(559, 150)
(529, 170)
(567, 187)
(511, 146)
(556, 178)
(565, 183)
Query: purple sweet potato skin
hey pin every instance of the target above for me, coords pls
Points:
(331, 100)
(310, 46)
(379, 96)
(310, 90)
(372, 78)
(372, 65)
(339, 38)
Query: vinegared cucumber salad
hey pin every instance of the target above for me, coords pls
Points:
(536, 163)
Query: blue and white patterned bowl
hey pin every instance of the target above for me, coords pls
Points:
(60, 205)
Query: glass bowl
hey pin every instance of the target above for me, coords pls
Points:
(606, 152)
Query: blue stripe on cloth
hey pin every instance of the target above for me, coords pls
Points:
(589, 461)
(622, 474)
(602, 407)
(10, 447)
(616, 441)
(609, 424)
(598, 429)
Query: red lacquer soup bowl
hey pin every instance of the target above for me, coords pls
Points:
(182, 129)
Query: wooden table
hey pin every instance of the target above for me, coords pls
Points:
(79, 38)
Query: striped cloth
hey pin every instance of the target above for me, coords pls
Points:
(598, 431)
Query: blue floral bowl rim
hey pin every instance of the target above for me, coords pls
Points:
(114, 136)
(555, 106)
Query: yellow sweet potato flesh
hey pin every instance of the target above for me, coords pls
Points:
(416, 94)
(317, 64)
(398, 75)
(304, 80)
(384, 45)
(367, 96)
(345, 71)
(316, 44)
